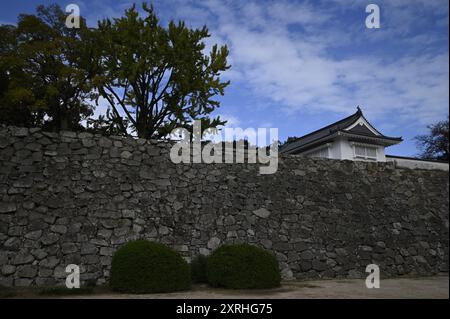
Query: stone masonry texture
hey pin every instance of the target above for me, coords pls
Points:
(75, 198)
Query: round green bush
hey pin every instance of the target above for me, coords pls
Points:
(243, 266)
(142, 266)
(198, 269)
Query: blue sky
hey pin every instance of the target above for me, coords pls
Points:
(300, 65)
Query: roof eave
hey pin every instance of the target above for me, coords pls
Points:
(383, 140)
(379, 140)
(311, 144)
(354, 117)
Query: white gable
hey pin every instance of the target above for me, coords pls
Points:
(362, 121)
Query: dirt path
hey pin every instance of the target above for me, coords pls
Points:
(424, 287)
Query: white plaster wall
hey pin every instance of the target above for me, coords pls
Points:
(342, 149)
(346, 151)
(381, 155)
(335, 150)
(416, 164)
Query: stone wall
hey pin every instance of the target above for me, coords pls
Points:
(75, 198)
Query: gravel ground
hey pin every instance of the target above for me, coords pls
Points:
(423, 287)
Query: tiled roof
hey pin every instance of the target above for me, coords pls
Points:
(329, 130)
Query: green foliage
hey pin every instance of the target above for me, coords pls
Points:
(14, 104)
(154, 78)
(243, 266)
(146, 267)
(158, 77)
(46, 69)
(198, 269)
(435, 144)
(107, 125)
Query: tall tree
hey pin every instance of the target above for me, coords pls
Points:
(158, 78)
(50, 70)
(434, 145)
(16, 107)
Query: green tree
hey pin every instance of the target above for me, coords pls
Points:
(14, 103)
(158, 78)
(107, 124)
(49, 72)
(434, 145)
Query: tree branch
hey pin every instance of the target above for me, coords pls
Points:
(121, 104)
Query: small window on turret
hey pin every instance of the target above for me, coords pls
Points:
(366, 152)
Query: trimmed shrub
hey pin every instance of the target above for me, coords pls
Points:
(243, 266)
(198, 269)
(142, 266)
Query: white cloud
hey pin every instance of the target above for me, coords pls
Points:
(288, 53)
(297, 71)
(232, 121)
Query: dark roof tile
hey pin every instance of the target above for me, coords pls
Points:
(328, 130)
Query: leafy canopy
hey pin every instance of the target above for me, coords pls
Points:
(157, 78)
(46, 68)
(153, 78)
(434, 145)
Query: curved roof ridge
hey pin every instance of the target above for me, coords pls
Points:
(333, 128)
